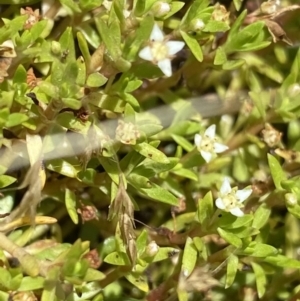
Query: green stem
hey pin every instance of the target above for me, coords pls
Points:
(28, 262)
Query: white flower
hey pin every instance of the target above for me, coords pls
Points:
(207, 144)
(160, 51)
(231, 199)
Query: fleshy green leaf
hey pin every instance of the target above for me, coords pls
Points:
(260, 278)
(277, 172)
(189, 258)
(230, 238)
(232, 267)
(70, 200)
(205, 209)
(151, 152)
(193, 45)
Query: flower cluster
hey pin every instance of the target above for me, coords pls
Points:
(127, 132)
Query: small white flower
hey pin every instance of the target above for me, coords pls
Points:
(207, 145)
(230, 199)
(161, 51)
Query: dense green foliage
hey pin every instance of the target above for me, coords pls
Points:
(113, 183)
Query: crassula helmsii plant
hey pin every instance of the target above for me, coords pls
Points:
(150, 150)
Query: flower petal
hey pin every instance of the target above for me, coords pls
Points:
(197, 140)
(156, 34)
(220, 148)
(220, 204)
(207, 156)
(237, 212)
(165, 67)
(146, 54)
(211, 131)
(174, 46)
(242, 195)
(225, 188)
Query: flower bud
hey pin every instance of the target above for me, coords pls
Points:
(271, 136)
(220, 14)
(291, 199)
(160, 9)
(152, 249)
(55, 47)
(197, 25)
(268, 7)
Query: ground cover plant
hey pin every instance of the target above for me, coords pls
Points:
(149, 150)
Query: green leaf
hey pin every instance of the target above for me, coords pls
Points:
(130, 99)
(201, 247)
(205, 209)
(236, 25)
(232, 267)
(175, 7)
(229, 221)
(67, 44)
(160, 194)
(230, 238)
(117, 258)
(150, 129)
(186, 173)
(95, 80)
(261, 101)
(63, 167)
(16, 119)
(184, 143)
(72, 5)
(83, 46)
(89, 5)
(6, 180)
(20, 75)
(260, 250)
(49, 89)
(93, 275)
(11, 27)
(31, 283)
(70, 200)
(132, 46)
(141, 242)
(151, 152)
(216, 26)
(240, 168)
(250, 38)
(237, 4)
(111, 36)
(133, 85)
(193, 45)
(72, 103)
(220, 57)
(276, 170)
(260, 278)
(194, 11)
(283, 261)
(138, 280)
(233, 64)
(189, 258)
(111, 167)
(261, 216)
(69, 121)
(5, 277)
(164, 253)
